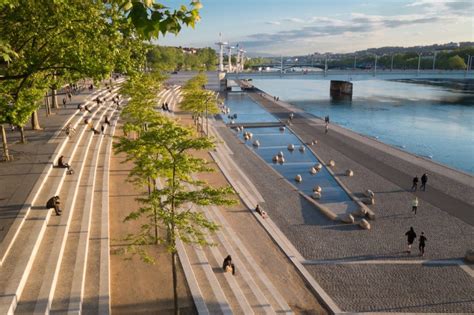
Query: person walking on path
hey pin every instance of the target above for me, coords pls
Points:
(411, 235)
(424, 180)
(414, 187)
(326, 128)
(414, 205)
(422, 244)
(53, 203)
(227, 265)
(64, 102)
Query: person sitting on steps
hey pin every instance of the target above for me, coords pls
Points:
(227, 265)
(53, 202)
(260, 211)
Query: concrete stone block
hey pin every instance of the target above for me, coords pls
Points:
(364, 224)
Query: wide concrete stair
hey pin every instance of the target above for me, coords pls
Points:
(45, 261)
(214, 291)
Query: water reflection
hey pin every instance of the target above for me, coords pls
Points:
(434, 118)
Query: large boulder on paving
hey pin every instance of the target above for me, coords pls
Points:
(349, 173)
(349, 218)
(331, 163)
(364, 224)
(298, 178)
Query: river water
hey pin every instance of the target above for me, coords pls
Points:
(433, 119)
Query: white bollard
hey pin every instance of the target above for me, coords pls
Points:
(332, 163)
(291, 147)
(318, 166)
(313, 171)
(298, 178)
(349, 173)
(256, 143)
(302, 148)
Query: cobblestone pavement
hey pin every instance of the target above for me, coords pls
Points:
(318, 238)
(378, 288)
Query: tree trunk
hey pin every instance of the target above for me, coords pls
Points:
(22, 134)
(54, 98)
(175, 283)
(35, 121)
(5, 144)
(47, 105)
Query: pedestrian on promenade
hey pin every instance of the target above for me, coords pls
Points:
(227, 265)
(411, 235)
(102, 129)
(53, 203)
(69, 95)
(87, 109)
(414, 187)
(422, 244)
(107, 120)
(64, 101)
(414, 205)
(326, 128)
(424, 180)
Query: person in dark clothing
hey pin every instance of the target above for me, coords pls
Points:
(62, 164)
(414, 187)
(69, 95)
(163, 107)
(411, 235)
(87, 109)
(424, 180)
(53, 202)
(260, 211)
(64, 101)
(107, 120)
(227, 264)
(422, 244)
(102, 129)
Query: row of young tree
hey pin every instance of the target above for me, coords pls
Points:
(46, 44)
(176, 58)
(163, 154)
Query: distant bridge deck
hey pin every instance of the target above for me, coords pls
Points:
(356, 75)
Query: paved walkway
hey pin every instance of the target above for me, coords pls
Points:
(265, 282)
(363, 287)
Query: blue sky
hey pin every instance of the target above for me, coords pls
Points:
(298, 27)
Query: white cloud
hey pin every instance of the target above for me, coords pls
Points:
(273, 22)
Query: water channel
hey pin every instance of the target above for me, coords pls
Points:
(273, 140)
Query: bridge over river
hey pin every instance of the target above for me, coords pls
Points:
(357, 75)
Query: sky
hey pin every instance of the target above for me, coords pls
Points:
(300, 27)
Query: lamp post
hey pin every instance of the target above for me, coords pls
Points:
(355, 62)
(375, 65)
(434, 60)
(391, 63)
(419, 62)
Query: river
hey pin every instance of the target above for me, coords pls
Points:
(433, 119)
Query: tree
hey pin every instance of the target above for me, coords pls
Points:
(164, 151)
(58, 41)
(197, 100)
(456, 63)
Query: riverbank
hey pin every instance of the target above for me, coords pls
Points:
(370, 270)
